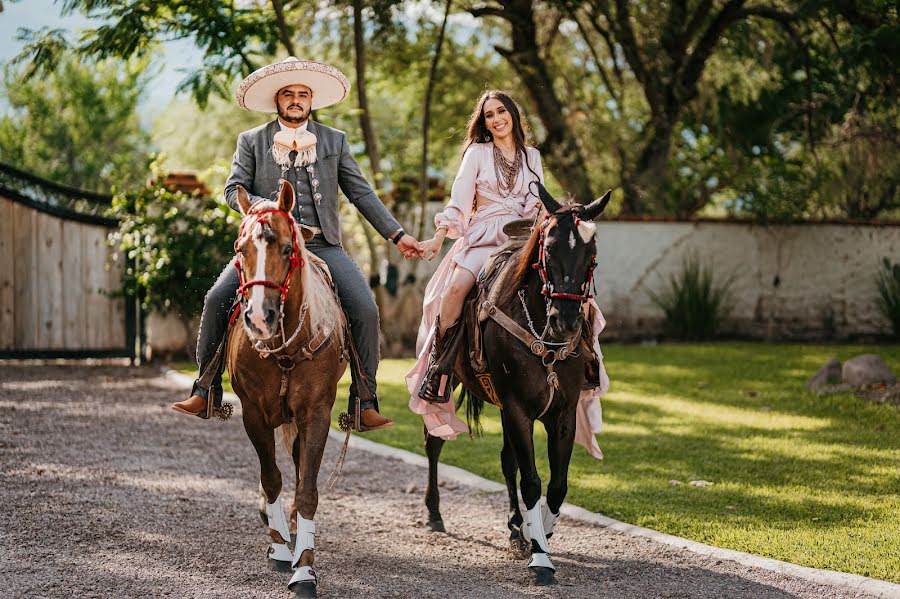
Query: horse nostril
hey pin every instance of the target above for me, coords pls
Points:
(271, 315)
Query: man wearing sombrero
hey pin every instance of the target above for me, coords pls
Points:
(316, 160)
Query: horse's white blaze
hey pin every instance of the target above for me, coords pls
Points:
(257, 314)
(587, 230)
(572, 240)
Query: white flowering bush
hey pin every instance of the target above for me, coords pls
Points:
(175, 244)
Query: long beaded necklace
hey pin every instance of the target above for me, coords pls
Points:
(507, 171)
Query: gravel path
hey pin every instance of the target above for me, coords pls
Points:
(104, 492)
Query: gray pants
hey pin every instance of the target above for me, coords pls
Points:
(356, 299)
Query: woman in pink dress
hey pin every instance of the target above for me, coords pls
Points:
(491, 189)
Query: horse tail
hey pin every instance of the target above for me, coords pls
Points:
(287, 433)
(474, 407)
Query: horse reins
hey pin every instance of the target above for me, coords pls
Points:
(541, 264)
(296, 260)
(534, 341)
(307, 350)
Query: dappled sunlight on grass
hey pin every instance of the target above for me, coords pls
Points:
(807, 479)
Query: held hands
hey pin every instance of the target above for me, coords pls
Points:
(409, 247)
(429, 249)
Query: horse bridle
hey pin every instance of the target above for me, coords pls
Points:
(295, 262)
(541, 264)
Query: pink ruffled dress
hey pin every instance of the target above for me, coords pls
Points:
(477, 236)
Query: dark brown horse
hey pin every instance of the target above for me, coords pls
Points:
(285, 360)
(532, 315)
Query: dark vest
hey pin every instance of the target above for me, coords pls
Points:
(305, 207)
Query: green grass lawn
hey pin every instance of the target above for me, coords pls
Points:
(810, 480)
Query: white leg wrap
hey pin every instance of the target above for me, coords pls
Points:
(534, 527)
(277, 519)
(280, 552)
(541, 560)
(306, 538)
(550, 519)
(304, 574)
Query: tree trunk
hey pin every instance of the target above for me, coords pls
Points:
(642, 188)
(426, 123)
(365, 123)
(560, 148)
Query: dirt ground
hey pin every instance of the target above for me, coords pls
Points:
(105, 492)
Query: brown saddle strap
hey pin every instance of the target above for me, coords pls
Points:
(537, 347)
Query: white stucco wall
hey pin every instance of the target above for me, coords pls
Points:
(826, 274)
(826, 278)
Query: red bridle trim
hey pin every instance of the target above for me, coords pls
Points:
(295, 261)
(541, 266)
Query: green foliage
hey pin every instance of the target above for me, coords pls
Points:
(176, 245)
(889, 293)
(779, 111)
(694, 304)
(78, 126)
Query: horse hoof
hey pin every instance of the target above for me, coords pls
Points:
(304, 589)
(517, 544)
(436, 526)
(278, 565)
(543, 576)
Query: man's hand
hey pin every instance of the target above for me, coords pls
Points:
(409, 246)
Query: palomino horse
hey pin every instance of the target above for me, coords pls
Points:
(285, 363)
(544, 286)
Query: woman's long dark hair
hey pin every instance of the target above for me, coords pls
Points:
(477, 131)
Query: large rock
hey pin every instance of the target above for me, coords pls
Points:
(867, 369)
(829, 374)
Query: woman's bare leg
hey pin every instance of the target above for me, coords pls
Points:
(461, 282)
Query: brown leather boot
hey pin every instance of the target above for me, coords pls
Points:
(370, 420)
(194, 406)
(436, 385)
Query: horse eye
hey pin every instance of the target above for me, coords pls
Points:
(287, 250)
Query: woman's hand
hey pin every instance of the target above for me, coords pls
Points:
(429, 249)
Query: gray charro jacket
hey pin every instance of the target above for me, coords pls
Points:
(255, 170)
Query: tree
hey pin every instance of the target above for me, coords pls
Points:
(807, 45)
(560, 146)
(79, 126)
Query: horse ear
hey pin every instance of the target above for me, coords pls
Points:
(286, 197)
(243, 200)
(546, 199)
(593, 210)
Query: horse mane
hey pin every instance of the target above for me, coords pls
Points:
(324, 309)
(522, 262)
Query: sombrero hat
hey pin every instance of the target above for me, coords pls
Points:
(257, 91)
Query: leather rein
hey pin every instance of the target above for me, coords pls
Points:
(308, 349)
(530, 338)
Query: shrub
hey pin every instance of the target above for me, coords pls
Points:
(889, 293)
(695, 306)
(176, 245)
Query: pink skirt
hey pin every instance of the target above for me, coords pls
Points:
(482, 237)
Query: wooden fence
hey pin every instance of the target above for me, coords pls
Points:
(57, 281)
